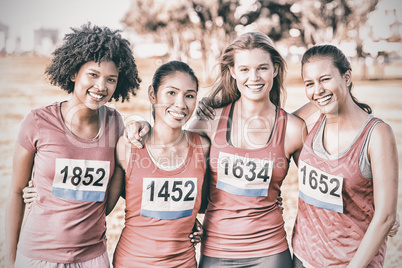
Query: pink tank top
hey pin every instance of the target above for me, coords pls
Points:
(67, 224)
(242, 219)
(335, 207)
(161, 207)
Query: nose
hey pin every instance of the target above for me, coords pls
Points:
(179, 101)
(100, 84)
(318, 89)
(254, 75)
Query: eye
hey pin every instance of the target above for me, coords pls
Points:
(309, 84)
(112, 80)
(326, 79)
(190, 96)
(93, 74)
(171, 92)
(263, 68)
(243, 69)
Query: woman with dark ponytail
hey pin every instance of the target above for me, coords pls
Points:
(348, 171)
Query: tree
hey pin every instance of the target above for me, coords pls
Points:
(215, 23)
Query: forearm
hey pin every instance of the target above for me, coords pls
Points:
(115, 189)
(373, 239)
(13, 220)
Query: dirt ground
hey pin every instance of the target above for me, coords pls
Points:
(23, 87)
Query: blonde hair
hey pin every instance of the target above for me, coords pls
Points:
(225, 90)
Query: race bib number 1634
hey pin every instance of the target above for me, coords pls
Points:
(244, 176)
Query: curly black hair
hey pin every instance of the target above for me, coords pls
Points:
(96, 44)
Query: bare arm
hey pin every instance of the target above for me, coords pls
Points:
(206, 128)
(116, 189)
(383, 156)
(22, 171)
(309, 114)
(205, 186)
(295, 135)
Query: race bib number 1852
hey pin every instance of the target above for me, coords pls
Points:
(320, 189)
(81, 180)
(244, 176)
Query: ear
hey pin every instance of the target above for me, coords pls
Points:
(276, 69)
(348, 77)
(72, 78)
(231, 70)
(151, 95)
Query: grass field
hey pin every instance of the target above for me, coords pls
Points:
(23, 87)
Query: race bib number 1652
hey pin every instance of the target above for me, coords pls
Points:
(319, 188)
(81, 180)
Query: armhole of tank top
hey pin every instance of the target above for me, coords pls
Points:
(229, 124)
(196, 142)
(364, 162)
(279, 113)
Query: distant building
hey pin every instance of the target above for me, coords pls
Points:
(45, 41)
(3, 38)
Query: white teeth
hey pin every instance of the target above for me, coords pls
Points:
(255, 86)
(178, 115)
(322, 100)
(96, 96)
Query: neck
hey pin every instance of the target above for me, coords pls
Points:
(165, 137)
(251, 108)
(348, 115)
(78, 113)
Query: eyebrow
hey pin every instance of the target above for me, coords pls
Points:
(262, 64)
(320, 77)
(96, 71)
(194, 90)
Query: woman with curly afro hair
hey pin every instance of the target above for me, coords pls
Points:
(68, 149)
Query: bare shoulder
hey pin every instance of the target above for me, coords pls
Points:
(382, 134)
(309, 114)
(296, 132)
(295, 126)
(205, 143)
(123, 149)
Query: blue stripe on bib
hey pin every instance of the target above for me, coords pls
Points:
(320, 204)
(240, 191)
(166, 215)
(78, 195)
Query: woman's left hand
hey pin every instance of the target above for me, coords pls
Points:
(395, 227)
(198, 232)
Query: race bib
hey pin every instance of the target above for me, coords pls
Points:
(81, 180)
(244, 176)
(320, 189)
(168, 198)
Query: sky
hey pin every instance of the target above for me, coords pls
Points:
(22, 16)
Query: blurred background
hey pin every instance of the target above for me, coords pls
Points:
(196, 31)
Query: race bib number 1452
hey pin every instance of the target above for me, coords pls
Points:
(168, 198)
(320, 189)
(81, 180)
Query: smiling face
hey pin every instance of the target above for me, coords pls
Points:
(175, 100)
(254, 73)
(95, 83)
(325, 86)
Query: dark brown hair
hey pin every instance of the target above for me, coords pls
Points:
(339, 60)
(96, 44)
